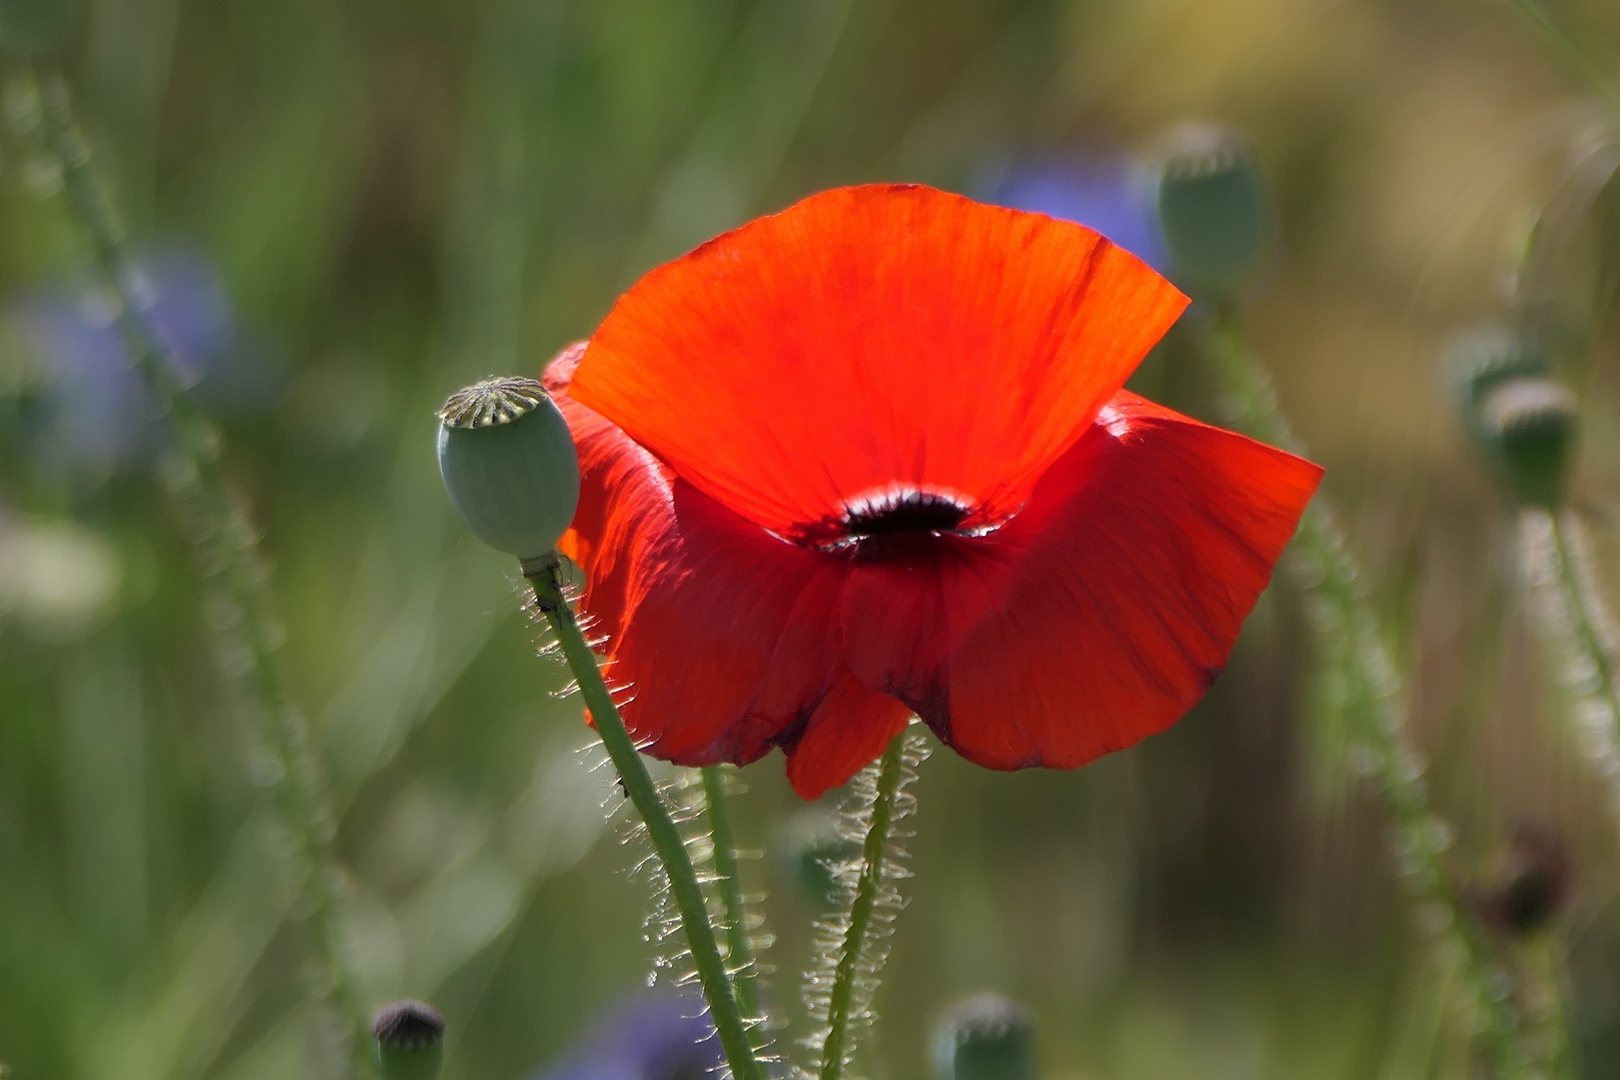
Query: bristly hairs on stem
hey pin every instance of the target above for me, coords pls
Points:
(672, 849)
(746, 935)
(851, 943)
(696, 803)
(1572, 615)
(1381, 750)
(38, 106)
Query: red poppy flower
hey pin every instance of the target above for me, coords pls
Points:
(870, 457)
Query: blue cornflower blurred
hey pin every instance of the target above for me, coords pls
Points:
(93, 412)
(659, 1036)
(1113, 195)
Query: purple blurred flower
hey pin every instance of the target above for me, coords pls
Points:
(1110, 195)
(95, 413)
(661, 1036)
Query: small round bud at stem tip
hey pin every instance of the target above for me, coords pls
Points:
(1523, 421)
(408, 1041)
(509, 464)
(1532, 886)
(1214, 209)
(985, 1037)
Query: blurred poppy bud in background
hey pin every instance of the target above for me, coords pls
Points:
(1533, 885)
(1214, 210)
(813, 845)
(985, 1037)
(509, 465)
(1524, 421)
(408, 1041)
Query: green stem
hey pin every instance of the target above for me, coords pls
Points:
(1547, 1011)
(1588, 629)
(739, 956)
(1377, 709)
(860, 912)
(666, 838)
(231, 540)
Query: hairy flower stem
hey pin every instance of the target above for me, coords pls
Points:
(739, 956)
(40, 106)
(545, 576)
(1376, 709)
(860, 914)
(1575, 619)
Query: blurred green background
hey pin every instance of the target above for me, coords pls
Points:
(400, 196)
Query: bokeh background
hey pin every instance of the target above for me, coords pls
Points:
(352, 208)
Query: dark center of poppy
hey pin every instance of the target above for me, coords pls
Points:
(890, 524)
(909, 511)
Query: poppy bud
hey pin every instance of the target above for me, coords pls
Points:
(1533, 886)
(813, 846)
(985, 1037)
(1214, 209)
(408, 1041)
(509, 465)
(1524, 421)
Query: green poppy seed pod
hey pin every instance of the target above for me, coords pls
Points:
(1522, 420)
(1532, 423)
(509, 464)
(1214, 210)
(407, 1040)
(985, 1037)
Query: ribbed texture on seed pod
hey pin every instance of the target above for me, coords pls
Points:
(509, 465)
(985, 1037)
(408, 1041)
(1214, 210)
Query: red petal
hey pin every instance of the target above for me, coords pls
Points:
(717, 630)
(852, 727)
(874, 336)
(1137, 560)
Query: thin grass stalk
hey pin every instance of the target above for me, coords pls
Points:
(638, 785)
(41, 106)
(1383, 751)
(739, 952)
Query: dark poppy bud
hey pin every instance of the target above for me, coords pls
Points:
(408, 1041)
(1533, 885)
(1523, 420)
(509, 464)
(814, 846)
(1214, 209)
(985, 1037)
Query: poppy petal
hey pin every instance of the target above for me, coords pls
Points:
(850, 729)
(716, 632)
(874, 337)
(903, 619)
(1137, 560)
